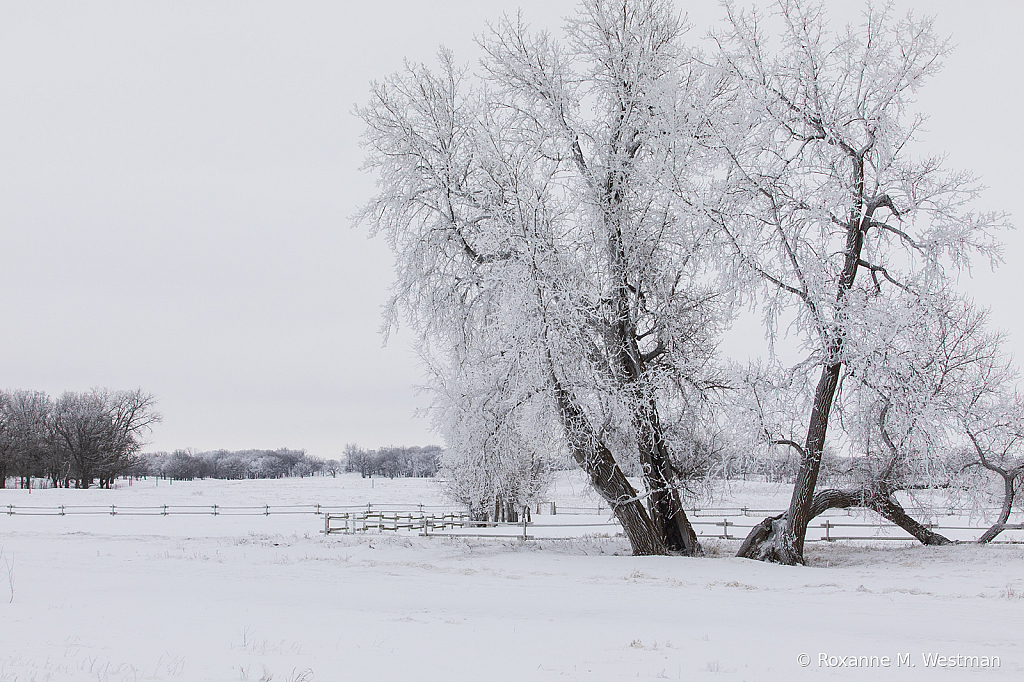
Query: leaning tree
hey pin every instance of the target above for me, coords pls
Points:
(987, 415)
(824, 209)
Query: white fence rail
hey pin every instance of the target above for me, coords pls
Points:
(200, 509)
(726, 524)
(717, 522)
(381, 520)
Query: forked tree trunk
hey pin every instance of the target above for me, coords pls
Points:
(605, 475)
(768, 537)
(663, 502)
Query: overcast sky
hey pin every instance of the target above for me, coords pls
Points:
(176, 182)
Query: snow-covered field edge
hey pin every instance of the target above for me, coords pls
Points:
(271, 598)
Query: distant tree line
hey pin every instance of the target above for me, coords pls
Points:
(75, 440)
(393, 461)
(187, 465)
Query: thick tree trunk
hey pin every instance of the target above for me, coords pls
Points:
(767, 540)
(810, 464)
(664, 504)
(781, 539)
(605, 475)
(770, 540)
(784, 543)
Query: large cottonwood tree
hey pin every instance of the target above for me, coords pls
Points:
(542, 215)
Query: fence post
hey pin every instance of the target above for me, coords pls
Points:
(214, 510)
(725, 529)
(327, 524)
(828, 525)
(112, 512)
(524, 523)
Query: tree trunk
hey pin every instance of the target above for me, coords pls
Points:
(605, 475)
(882, 504)
(894, 512)
(785, 542)
(782, 540)
(664, 503)
(769, 540)
(1004, 514)
(667, 516)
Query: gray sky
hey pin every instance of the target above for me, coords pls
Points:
(176, 181)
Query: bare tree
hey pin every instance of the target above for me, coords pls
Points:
(6, 438)
(332, 467)
(988, 414)
(101, 431)
(821, 189)
(26, 414)
(998, 450)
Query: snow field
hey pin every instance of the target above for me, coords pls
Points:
(270, 598)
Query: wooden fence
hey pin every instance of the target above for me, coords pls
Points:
(202, 509)
(366, 520)
(720, 523)
(726, 523)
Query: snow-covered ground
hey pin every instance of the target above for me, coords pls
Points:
(104, 597)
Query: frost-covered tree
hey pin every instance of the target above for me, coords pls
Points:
(501, 446)
(544, 223)
(6, 439)
(824, 209)
(898, 412)
(987, 415)
(996, 434)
